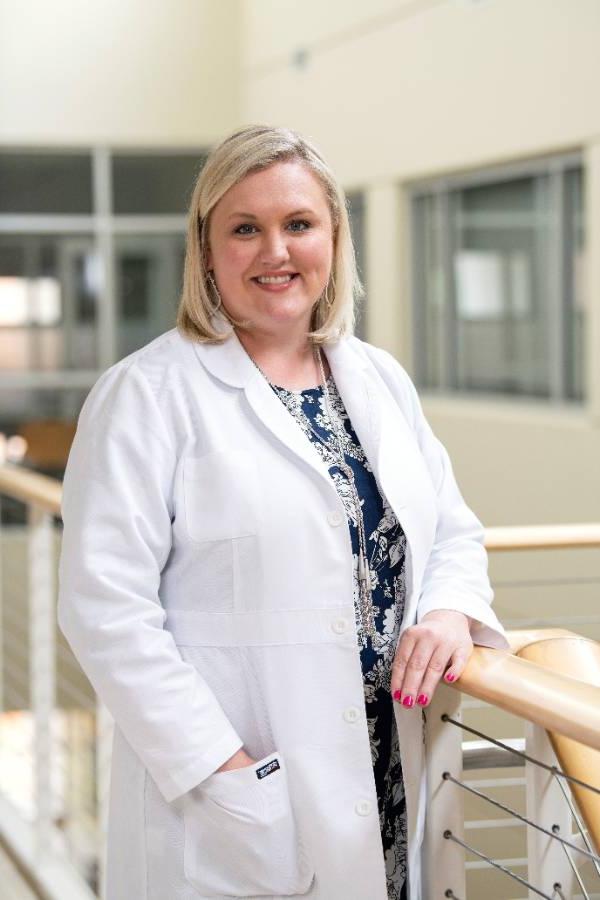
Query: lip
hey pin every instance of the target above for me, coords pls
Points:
(274, 274)
(275, 288)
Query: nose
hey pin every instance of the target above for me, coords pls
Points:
(274, 249)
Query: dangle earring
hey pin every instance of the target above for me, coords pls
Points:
(215, 289)
(328, 302)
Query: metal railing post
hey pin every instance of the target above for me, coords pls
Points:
(104, 739)
(42, 668)
(547, 862)
(443, 860)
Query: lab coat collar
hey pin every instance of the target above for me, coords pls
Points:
(230, 363)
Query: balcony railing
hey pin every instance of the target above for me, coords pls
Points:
(512, 748)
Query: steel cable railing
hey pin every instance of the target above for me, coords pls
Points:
(580, 827)
(447, 834)
(509, 748)
(553, 832)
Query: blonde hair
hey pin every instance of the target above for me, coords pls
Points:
(248, 150)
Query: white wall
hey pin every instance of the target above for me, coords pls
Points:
(140, 72)
(394, 91)
(401, 89)
(391, 90)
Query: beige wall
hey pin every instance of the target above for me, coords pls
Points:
(394, 91)
(391, 90)
(401, 89)
(140, 72)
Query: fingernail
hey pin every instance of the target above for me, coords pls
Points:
(408, 701)
(422, 699)
(397, 695)
(449, 676)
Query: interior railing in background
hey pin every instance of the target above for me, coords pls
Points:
(55, 736)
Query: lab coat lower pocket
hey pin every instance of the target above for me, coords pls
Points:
(241, 835)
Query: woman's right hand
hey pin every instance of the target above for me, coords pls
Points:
(239, 759)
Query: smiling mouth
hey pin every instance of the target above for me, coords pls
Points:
(275, 279)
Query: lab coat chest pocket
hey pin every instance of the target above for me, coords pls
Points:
(241, 836)
(221, 495)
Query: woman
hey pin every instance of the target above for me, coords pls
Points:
(267, 565)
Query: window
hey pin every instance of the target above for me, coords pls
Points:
(356, 214)
(92, 247)
(497, 281)
(154, 183)
(149, 271)
(33, 182)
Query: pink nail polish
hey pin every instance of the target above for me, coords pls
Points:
(397, 695)
(422, 699)
(450, 676)
(408, 701)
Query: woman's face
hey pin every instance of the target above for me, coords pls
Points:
(275, 222)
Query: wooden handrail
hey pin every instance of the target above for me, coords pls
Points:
(542, 537)
(550, 676)
(553, 700)
(31, 487)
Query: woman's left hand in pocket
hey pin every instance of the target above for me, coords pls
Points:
(440, 645)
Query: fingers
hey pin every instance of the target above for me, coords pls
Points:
(423, 689)
(423, 656)
(457, 663)
(400, 665)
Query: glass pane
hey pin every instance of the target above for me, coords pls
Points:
(575, 282)
(49, 289)
(149, 271)
(154, 184)
(356, 212)
(429, 291)
(500, 237)
(45, 183)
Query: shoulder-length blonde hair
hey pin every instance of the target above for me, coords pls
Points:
(249, 150)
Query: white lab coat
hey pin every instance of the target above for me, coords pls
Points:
(206, 588)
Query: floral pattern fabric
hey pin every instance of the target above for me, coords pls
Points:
(386, 546)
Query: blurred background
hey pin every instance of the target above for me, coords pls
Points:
(466, 134)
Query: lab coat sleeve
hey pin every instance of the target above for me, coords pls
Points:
(116, 510)
(456, 573)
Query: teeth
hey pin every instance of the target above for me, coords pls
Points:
(274, 279)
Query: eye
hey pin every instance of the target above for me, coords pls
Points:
(300, 222)
(245, 225)
(304, 226)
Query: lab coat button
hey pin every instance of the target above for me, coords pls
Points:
(335, 517)
(339, 625)
(351, 714)
(363, 807)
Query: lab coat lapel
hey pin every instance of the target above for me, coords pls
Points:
(386, 439)
(273, 415)
(230, 362)
(377, 429)
(352, 379)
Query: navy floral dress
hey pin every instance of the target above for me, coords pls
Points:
(386, 545)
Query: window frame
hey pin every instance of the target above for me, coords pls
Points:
(442, 191)
(103, 226)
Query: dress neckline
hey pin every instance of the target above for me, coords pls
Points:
(317, 389)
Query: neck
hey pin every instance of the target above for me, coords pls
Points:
(293, 348)
(289, 362)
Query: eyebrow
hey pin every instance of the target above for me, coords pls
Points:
(245, 215)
